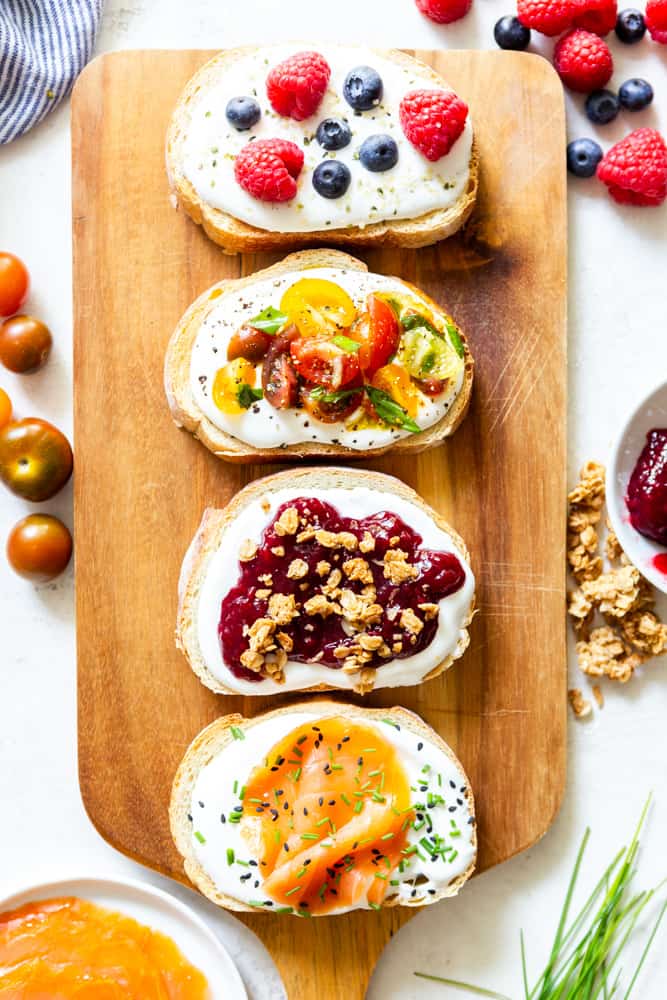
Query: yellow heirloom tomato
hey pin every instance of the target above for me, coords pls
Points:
(318, 307)
(227, 383)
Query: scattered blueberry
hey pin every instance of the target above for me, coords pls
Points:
(635, 94)
(510, 33)
(333, 133)
(630, 26)
(583, 156)
(602, 106)
(363, 88)
(378, 153)
(243, 113)
(331, 178)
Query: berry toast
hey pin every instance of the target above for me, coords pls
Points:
(275, 146)
(317, 357)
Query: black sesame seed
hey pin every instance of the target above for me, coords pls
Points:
(452, 784)
(332, 802)
(285, 847)
(321, 800)
(286, 805)
(459, 802)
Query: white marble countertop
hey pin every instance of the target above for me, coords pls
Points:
(618, 349)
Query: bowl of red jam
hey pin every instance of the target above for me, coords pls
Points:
(637, 487)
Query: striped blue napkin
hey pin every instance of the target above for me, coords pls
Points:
(44, 45)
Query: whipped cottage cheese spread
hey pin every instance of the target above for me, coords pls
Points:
(412, 188)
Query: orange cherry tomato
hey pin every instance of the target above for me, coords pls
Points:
(25, 344)
(35, 459)
(5, 408)
(14, 282)
(379, 334)
(39, 547)
(322, 362)
(394, 380)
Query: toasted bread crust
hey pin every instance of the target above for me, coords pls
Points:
(187, 414)
(215, 522)
(235, 236)
(217, 735)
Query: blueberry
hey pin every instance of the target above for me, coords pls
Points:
(378, 153)
(510, 33)
(363, 88)
(243, 113)
(331, 178)
(602, 106)
(635, 94)
(333, 133)
(583, 156)
(630, 26)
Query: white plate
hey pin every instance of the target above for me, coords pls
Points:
(651, 412)
(158, 910)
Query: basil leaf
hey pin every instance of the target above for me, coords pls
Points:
(412, 320)
(345, 343)
(455, 339)
(270, 320)
(246, 395)
(320, 394)
(390, 411)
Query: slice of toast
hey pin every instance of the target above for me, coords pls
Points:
(237, 236)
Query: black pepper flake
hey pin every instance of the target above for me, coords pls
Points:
(305, 811)
(253, 864)
(286, 806)
(420, 746)
(189, 817)
(452, 809)
(244, 878)
(452, 784)
(320, 801)
(332, 802)
(274, 813)
(285, 847)
(222, 818)
(256, 883)
(201, 805)
(459, 802)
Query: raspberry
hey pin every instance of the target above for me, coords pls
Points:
(583, 61)
(432, 120)
(267, 169)
(598, 16)
(444, 11)
(656, 20)
(550, 17)
(296, 86)
(635, 169)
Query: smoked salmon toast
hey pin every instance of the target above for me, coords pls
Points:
(322, 808)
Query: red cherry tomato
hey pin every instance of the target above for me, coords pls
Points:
(379, 333)
(431, 386)
(279, 381)
(322, 362)
(248, 343)
(14, 283)
(333, 412)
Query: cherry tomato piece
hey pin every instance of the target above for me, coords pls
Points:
(332, 412)
(322, 362)
(5, 408)
(431, 386)
(379, 334)
(279, 381)
(14, 282)
(25, 344)
(249, 343)
(39, 548)
(35, 459)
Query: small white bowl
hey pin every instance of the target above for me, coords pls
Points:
(641, 551)
(156, 909)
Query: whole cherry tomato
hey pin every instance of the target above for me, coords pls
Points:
(322, 362)
(35, 459)
(279, 379)
(248, 343)
(5, 408)
(25, 344)
(379, 333)
(39, 547)
(14, 282)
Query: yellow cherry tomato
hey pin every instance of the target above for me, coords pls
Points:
(227, 383)
(318, 307)
(396, 381)
(5, 408)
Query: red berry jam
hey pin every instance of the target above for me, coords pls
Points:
(647, 489)
(317, 637)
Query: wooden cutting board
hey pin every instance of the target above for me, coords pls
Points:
(141, 485)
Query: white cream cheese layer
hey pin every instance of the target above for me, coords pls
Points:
(216, 794)
(222, 574)
(413, 187)
(262, 426)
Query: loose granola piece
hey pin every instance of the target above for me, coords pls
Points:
(583, 564)
(645, 631)
(612, 546)
(397, 647)
(358, 611)
(266, 579)
(597, 694)
(323, 567)
(397, 569)
(278, 551)
(358, 569)
(286, 641)
(263, 593)
(248, 550)
(603, 648)
(266, 506)
(589, 492)
(367, 543)
(306, 535)
(330, 588)
(370, 642)
(252, 660)
(260, 635)
(351, 664)
(347, 540)
(581, 611)
(615, 593)
(297, 569)
(282, 608)
(411, 622)
(366, 680)
(622, 670)
(430, 610)
(319, 605)
(580, 705)
(288, 522)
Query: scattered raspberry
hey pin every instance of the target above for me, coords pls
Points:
(296, 86)
(635, 169)
(432, 120)
(656, 20)
(444, 11)
(598, 16)
(550, 17)
(267, 169)
(583, 61)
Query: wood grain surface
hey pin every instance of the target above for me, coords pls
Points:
(141, 484)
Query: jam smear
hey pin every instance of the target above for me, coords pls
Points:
(647, 490)
(660, 562)
(316, 638)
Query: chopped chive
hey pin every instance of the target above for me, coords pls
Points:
(200, 837)
(394, 881)
(283, 909)
(302, 739)
(237, 733)
(235, 787)
(336, 767)
(230, 855)
(374, 774)
(301, 873)
(387, 836)
(390, 722)
(320, 822)
(358, 806)
(381, 875)
(309, 836)
(290, 892)
(276, 836)
(345, 799)
(374, 906)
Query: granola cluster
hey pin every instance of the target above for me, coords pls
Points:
(341, 585)
(611, 611)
